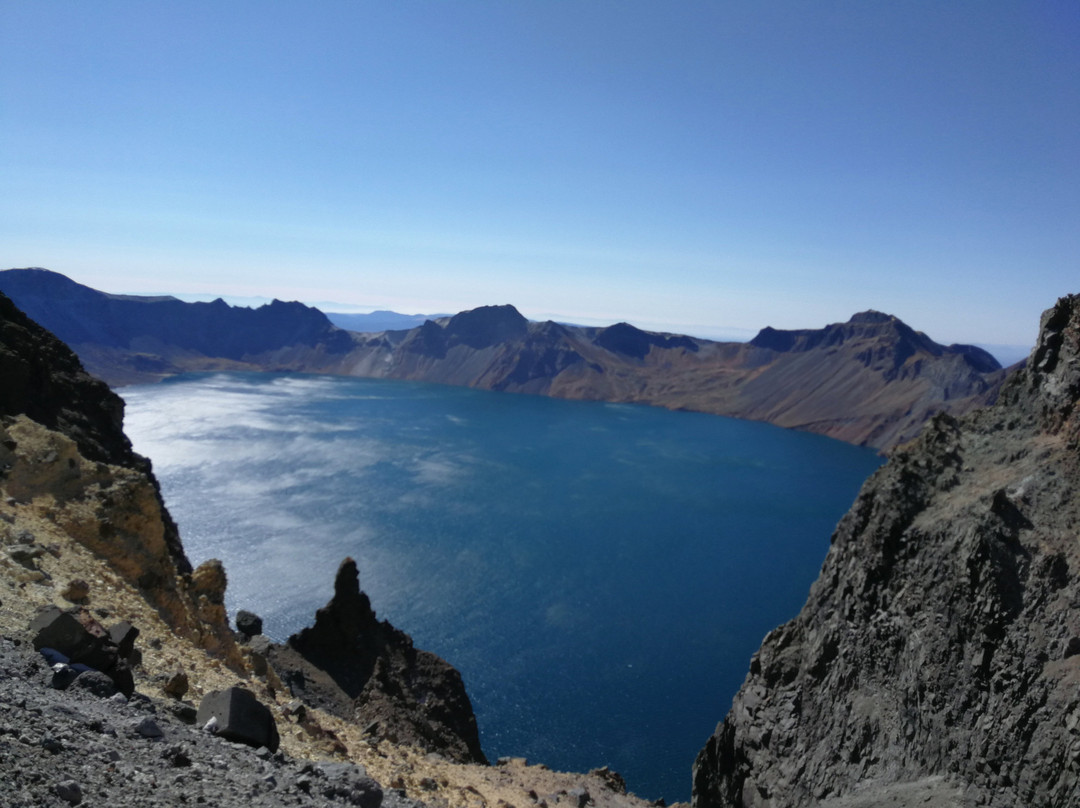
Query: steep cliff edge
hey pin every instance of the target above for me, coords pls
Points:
(938, 654)
(66, 462)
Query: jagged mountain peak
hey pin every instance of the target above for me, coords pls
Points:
(872, 316)
(487, 325)
(1048, 387)
(890, 336)
(629, 340)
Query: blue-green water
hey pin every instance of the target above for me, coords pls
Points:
(599, 573)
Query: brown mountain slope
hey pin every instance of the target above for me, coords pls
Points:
(938, 655)
(871, 381)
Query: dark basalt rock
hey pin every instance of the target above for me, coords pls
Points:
(84, 643)
(936, 654)
(239, 717)
(360, 668)
(46, 381)
(248, 623)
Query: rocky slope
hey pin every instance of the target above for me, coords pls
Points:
(871, 381)
(937, 659)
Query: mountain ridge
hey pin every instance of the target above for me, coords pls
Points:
(871, 381)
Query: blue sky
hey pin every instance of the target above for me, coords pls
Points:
(694, 166)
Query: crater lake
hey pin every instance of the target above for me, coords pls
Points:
(599, 573)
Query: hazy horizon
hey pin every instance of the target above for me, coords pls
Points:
(704, 165)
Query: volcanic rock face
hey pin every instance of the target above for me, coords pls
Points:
(44, 380)
(65, 458)
(938, 653)
(351, 664)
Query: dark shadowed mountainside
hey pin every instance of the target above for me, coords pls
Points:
(937, 659)
(871, 381)
(126, 338)
(41, 378)
(44, 379)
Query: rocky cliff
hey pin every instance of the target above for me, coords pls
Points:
(937, 658)
(365, 670)
(871, 381)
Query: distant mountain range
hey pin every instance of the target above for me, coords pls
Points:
(871, 381)
(379, 321)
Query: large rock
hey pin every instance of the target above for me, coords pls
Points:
(936, 656)
(363, 669)
(84, 642)
(239, 717)
(248, 623)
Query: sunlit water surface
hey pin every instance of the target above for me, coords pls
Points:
(600, 574)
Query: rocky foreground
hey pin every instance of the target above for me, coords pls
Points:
(80, 747)
(123, 683)
(937, 659)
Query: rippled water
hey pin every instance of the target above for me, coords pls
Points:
(599, 573)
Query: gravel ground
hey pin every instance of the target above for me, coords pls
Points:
(60, 748)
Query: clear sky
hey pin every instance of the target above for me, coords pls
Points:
(681, 165)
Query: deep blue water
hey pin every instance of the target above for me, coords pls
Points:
(599, 573)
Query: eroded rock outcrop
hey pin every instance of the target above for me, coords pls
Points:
(43, 379)
(64, 458)
(938, 654)
(355, 666)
